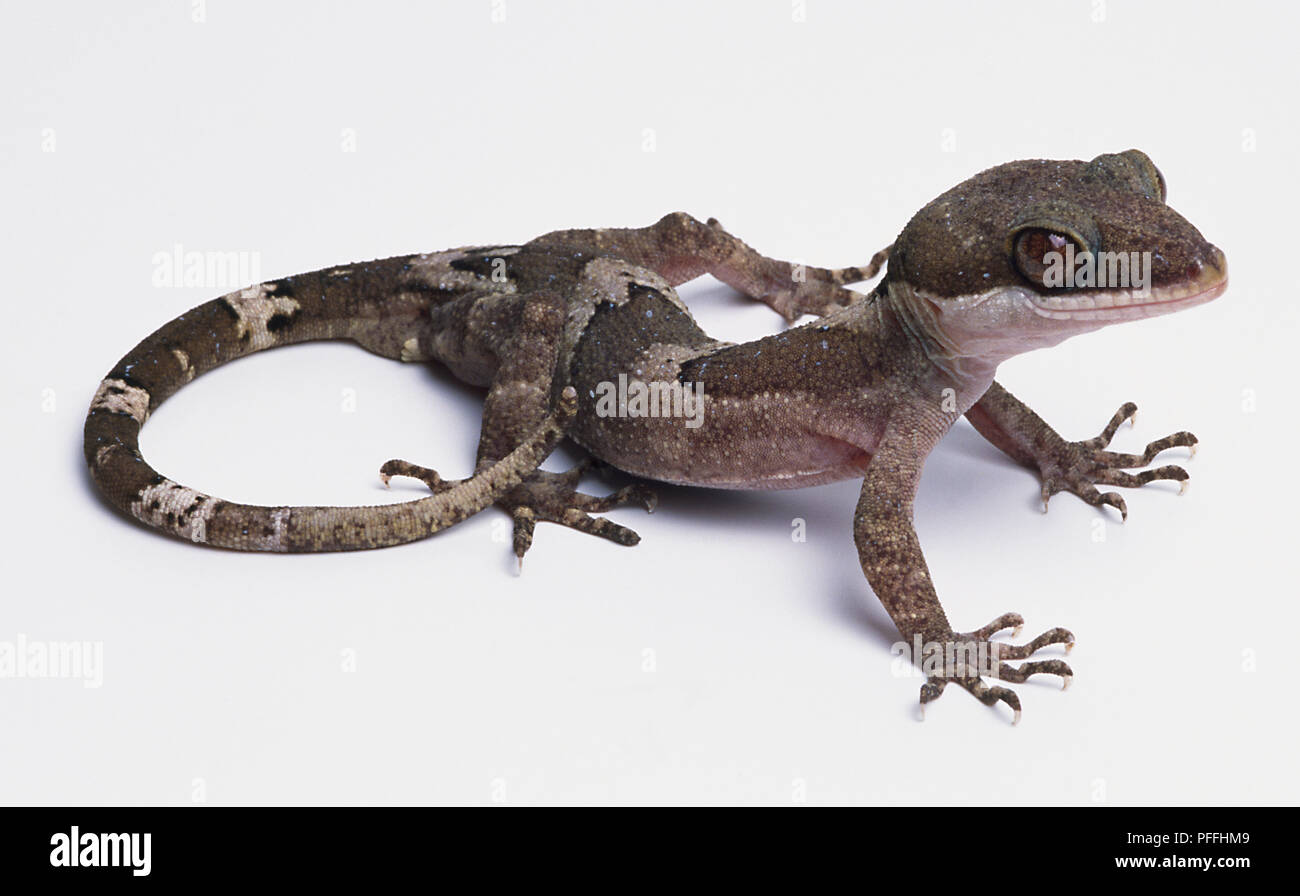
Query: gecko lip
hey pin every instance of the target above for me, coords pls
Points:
(1126, 304)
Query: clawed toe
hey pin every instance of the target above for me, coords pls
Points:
(1019, 674)
(599, 526)
(547, 497)
(429, 477)
(1013, 621)
(629, 494)
(970, 657)
(1078, 467)
(554, 498)
(526, 518)
(991, 695)
(984, 693)
(1023, 651)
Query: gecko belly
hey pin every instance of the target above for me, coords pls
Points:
(723, 451)
(770, 471)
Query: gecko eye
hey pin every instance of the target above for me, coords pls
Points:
(1130, 170)
(1036, 247)
(1163, 186)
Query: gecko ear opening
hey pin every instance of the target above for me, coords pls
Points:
(1045, 228)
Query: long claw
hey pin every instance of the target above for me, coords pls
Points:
(1115, 500)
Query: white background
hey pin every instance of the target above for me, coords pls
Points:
(719, 661)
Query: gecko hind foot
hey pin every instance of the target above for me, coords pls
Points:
(554, 498)
(974, 656)
(1078, 466)
(548, 497)
(793, 290)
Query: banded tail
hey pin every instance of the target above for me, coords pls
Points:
(330, 304)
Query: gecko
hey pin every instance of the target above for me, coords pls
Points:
(864, 391)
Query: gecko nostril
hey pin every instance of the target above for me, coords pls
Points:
(1208, 266)
(1217, 259)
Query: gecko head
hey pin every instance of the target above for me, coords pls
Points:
(1026, 254)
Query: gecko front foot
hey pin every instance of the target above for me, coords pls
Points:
(1076, 466)
(965, 658)
(548, 497)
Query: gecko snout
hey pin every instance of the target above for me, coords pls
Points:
(1209, 270)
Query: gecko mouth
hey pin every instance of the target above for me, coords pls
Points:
(1124, 304)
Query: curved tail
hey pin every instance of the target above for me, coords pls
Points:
(297, 309)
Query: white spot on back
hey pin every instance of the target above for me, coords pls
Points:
(606, 279)
(435, 269)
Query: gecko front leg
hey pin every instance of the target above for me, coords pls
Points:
(1076, 467)
(895, 566)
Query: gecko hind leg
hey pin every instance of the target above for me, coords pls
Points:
(680, 247)
(521, 394)
(791, 290)
(548, 497)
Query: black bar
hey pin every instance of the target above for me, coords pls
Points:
(374, 845)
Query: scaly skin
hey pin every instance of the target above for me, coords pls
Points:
(865, 391)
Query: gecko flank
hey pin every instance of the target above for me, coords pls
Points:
(865, 391)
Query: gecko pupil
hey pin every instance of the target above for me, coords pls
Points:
(1034, 249)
